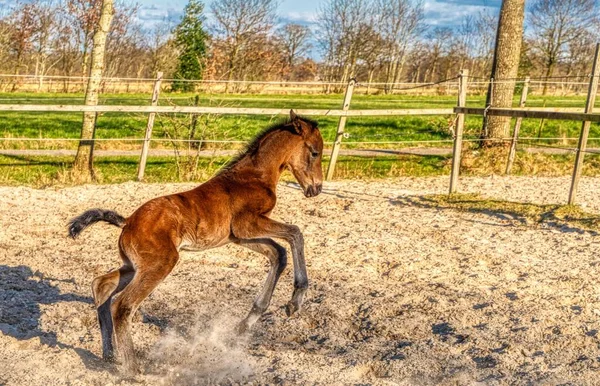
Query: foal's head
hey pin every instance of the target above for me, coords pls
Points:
(305, 158)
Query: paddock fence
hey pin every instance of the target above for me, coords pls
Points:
(552, 86)
(463, 83)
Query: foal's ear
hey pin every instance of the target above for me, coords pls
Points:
(295, 121)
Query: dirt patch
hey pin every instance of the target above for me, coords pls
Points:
(399, 293)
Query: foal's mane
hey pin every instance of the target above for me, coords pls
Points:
(252, 147)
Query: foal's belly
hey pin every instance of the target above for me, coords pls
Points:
(203, 244)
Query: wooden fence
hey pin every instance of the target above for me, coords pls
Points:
(344, 112)
(561, 114)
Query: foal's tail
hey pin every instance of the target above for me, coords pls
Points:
(92, 216)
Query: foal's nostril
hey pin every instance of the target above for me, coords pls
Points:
(313, 190)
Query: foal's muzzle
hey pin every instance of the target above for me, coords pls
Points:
(313, 190)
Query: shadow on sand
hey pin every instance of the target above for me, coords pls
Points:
(21, 294)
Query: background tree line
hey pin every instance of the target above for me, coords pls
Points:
(385, 41)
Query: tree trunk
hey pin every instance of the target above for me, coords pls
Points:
(549, 71)
(83, 168)
(505, 67)
(371, 72)
(232, 62)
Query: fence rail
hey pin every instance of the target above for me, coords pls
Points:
(343, 113)
(569, 114)
(461, 83)
(220, 110)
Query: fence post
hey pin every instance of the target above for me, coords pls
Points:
(515, 137)
(149, 126)
(458, 134)
(585, 128)
(340, 130)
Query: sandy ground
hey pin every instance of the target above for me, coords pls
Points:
(399, 293)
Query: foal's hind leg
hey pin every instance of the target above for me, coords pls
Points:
(149, 273)
(278, 258)
(104, 288)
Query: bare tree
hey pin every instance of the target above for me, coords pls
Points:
(440, 40)
(83, 168)
(340, 22)
(373, 51)
(485, 23)
(463, 44)
(555, 24)
(294, 41)
(362, 36)
(84, 15)
(47, 16)
(239, 23)
(399, 22)
(577, 59)
(66, 47)
(5, 46)
(125, 49)
(504, 67)
(162, 54)
(23, 26)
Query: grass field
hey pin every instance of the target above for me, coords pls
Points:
(379, 132)
(242, 128)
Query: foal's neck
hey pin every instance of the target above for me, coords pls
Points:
(269, 160)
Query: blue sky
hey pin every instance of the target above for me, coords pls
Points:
(437, 12)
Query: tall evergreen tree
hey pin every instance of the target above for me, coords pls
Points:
(190, 39)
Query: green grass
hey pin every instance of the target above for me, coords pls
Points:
(364, 129)
(41, 171)
(522, 213)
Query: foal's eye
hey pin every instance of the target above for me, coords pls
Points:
(314, 154)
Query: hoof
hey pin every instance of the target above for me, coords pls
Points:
(109, 357)
(291, 309)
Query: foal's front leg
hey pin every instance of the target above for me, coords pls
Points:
(277, 256)
(261, 226)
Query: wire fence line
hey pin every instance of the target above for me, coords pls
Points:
(234, 141)
(341, 83)
(54, 83)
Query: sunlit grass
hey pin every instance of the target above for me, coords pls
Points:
(382, 130)
(517, 212)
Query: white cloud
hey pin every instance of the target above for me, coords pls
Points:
(300, 17)
(444, 13)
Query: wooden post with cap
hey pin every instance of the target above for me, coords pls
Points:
(458, 134)
(585, 128)
(513, 144)
(149, 126)
(340, 131)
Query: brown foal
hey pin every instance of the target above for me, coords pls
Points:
(233, 206)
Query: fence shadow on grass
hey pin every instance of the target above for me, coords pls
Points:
(20, 160)
(563, 218)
